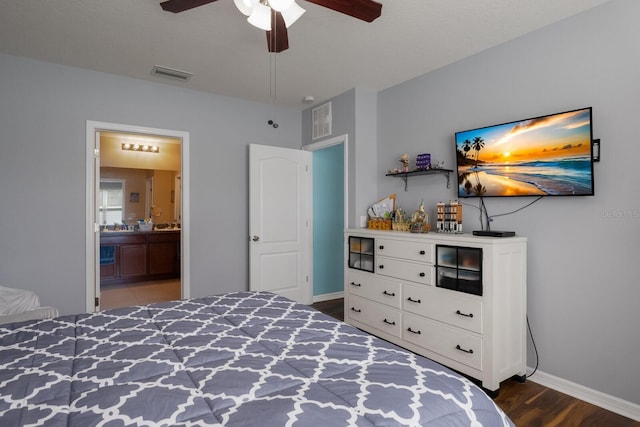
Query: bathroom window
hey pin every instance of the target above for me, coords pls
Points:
(111, 201)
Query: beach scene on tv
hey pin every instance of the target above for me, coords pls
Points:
(543, 156)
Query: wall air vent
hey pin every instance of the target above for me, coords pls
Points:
(321, 121)
(171, 73)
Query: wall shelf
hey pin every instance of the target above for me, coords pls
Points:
(405, 175)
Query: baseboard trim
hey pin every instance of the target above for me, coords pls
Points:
(327, 297)
(606, 401)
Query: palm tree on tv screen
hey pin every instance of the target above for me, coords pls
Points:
(466, 147)
(477, 145)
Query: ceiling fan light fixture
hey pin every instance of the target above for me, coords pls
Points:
(246, 6)
(292, 14)
(260, 17)
(280, 5)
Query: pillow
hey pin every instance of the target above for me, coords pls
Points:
(15, 301)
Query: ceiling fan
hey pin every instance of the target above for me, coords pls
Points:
(275, 16)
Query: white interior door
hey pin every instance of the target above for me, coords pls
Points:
(280, 216)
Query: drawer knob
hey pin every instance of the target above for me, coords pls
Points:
(422, 274)
(470, 351)
(412, 331)
(388, 322)
(357, 310)
(459, 313)
(422, 252)
(356, 284)
(417, 301)
(391, 294)
(381, 266)
(381, 247)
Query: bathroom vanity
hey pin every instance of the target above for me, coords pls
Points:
(136, 256)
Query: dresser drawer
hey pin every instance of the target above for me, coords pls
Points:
(378, 316)
(413, 271)
(454, 343)
(414, 251)
(385, 291)
(443, 305)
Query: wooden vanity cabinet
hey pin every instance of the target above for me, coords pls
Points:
(108, 271)
(164, 254)
(132, 260)
(141, 256)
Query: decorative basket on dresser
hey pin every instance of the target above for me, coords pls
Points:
(457, 299)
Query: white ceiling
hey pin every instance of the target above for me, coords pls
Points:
(329, 53)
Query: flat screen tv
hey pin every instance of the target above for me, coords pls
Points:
(542, 156)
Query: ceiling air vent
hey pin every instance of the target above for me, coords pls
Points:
(171, 73)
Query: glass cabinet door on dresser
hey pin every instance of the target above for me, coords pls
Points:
(459, 269)
(361, 253)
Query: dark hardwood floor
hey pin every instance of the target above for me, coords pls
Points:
(530, 404)
(334, 308)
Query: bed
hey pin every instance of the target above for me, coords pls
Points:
(238, 359)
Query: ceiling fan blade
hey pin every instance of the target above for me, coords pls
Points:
(176, 6)
(277, 38)
(367, 10)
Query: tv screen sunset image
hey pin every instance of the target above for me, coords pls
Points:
(543, 156)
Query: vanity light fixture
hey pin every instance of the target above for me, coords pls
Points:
(140, 147)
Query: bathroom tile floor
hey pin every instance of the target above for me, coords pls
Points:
(115, 296)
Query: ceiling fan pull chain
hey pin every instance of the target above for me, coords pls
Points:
(273, 76)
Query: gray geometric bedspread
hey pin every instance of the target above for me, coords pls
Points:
(240, 359)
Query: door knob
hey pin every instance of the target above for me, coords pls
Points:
(255, 238)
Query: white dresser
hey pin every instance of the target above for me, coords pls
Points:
(457, 299)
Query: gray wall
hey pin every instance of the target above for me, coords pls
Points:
(583, 286)
(354, 113)
(43, 112)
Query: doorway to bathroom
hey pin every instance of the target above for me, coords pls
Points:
(137, 202)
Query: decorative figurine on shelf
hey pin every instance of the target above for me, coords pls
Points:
(449, 217)
(423, 162)
(420, 220)
(404, 159)
(399, 221)
(420, 215)
(399, 215)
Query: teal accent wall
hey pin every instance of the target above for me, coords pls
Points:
(328, 220)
